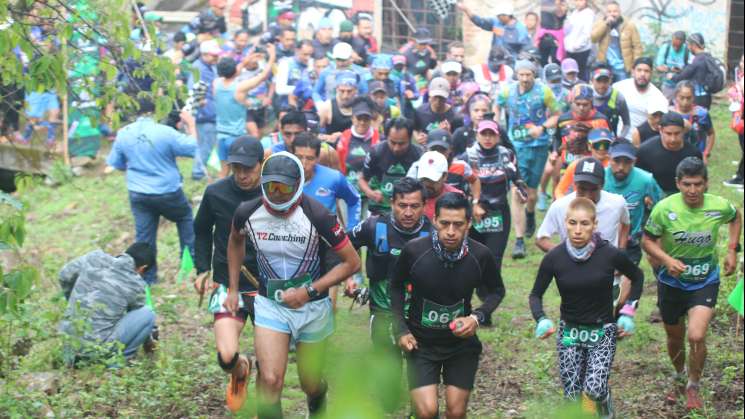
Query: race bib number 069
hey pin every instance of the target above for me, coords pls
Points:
(437, 316)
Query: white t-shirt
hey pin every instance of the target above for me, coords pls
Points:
(637, 101)
(611, 213)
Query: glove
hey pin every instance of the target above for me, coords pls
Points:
(544, 326)
(626, 323)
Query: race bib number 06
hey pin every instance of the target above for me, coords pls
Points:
(436, 316)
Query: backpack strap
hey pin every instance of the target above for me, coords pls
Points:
(381, 237)
(612, 101)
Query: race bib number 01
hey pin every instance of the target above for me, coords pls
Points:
(585, 336)
(520, 134)
(697, 270)
(491, 223)
(436, 316)
(275, 287)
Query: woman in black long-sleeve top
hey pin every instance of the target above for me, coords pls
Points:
(584, 267)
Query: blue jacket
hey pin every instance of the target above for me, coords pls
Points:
(514, 38)
(147, 151)
(327, 186)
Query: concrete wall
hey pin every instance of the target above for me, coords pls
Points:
(656, 20)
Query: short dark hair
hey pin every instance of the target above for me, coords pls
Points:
(227, 67)
(644, 60)
(142, 253)
(399, 123)
(294, 117)
(284, 30)
(407, 185)
(179, 37)
(305, 43)
(691, 167)
(309, 140)
(455, 44)
(240, 32)
(453, 200)
(145, 105)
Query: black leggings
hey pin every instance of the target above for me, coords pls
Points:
(496, 242)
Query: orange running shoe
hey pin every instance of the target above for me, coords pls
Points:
(236, 392)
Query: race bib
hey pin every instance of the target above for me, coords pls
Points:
(697, 269)
(584, 336)
(492, 222)
(275, 287)
(218, 298)
(519, 133)
(436, 316)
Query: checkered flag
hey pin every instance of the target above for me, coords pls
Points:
(442, 7)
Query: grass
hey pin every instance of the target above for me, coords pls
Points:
(517, 377)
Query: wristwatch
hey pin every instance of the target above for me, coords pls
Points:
(736, 247)
(475, 201)
(312, 292)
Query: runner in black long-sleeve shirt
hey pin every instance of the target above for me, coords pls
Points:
(584, 266)
(438, 331)
(212, 229)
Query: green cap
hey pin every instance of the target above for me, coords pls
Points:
(346, 26)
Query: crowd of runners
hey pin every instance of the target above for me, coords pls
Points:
(332, 152)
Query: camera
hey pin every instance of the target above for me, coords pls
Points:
(267, 37)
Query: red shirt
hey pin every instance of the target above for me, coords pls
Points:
(429, 204)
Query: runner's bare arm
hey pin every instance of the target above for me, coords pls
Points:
(236, 253)
(730, 262)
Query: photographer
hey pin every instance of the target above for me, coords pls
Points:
(617, 40)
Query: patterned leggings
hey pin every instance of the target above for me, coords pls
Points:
(586, 370)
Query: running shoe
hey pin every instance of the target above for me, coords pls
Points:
(735, 182)
(518, 250)
(542, 204)
(236, 392)
(693, 399)
(317, 404)
(529, 224)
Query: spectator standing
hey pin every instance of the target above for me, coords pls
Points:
(550, 36)
(324, 38)
(531, 25)
(672, 57)
(639, 91)
(146, 150)
(507, 31)
(291, 70)
(698, 71)
(619, 43)
(206, 116)
(577, 35)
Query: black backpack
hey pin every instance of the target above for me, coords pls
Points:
(716, 73)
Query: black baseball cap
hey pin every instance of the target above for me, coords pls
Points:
(281, 168)
(552, 72)
(377, 86)
(622, 148)
(362, 108)
(423, 36)
(439, 138)
(672, 118)
(589, 170)
(246, 151)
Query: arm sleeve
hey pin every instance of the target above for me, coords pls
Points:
(542, 281)
(369, 168)
(326, 223)
(68, 275)
(360, 235)
(116, 158)
(623, 112)
(493, 285)
(398, 279)
(183, 145)
(486, 24)
(623, 264)
(204, 223)
(350, 195)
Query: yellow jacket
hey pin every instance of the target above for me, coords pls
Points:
(631, 45)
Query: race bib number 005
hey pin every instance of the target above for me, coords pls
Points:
(437, 316)
(586, 336)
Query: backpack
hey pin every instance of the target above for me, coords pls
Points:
(381, 237)
(716, 73)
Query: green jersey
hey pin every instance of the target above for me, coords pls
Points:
(690, 235)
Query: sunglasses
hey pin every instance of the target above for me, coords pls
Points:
(279, 187)
(601, 145)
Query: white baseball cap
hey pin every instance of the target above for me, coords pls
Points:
(210, 46)
(657, 105)
(451, 67)
(342, 51)
(432, 165)
(504, 7)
